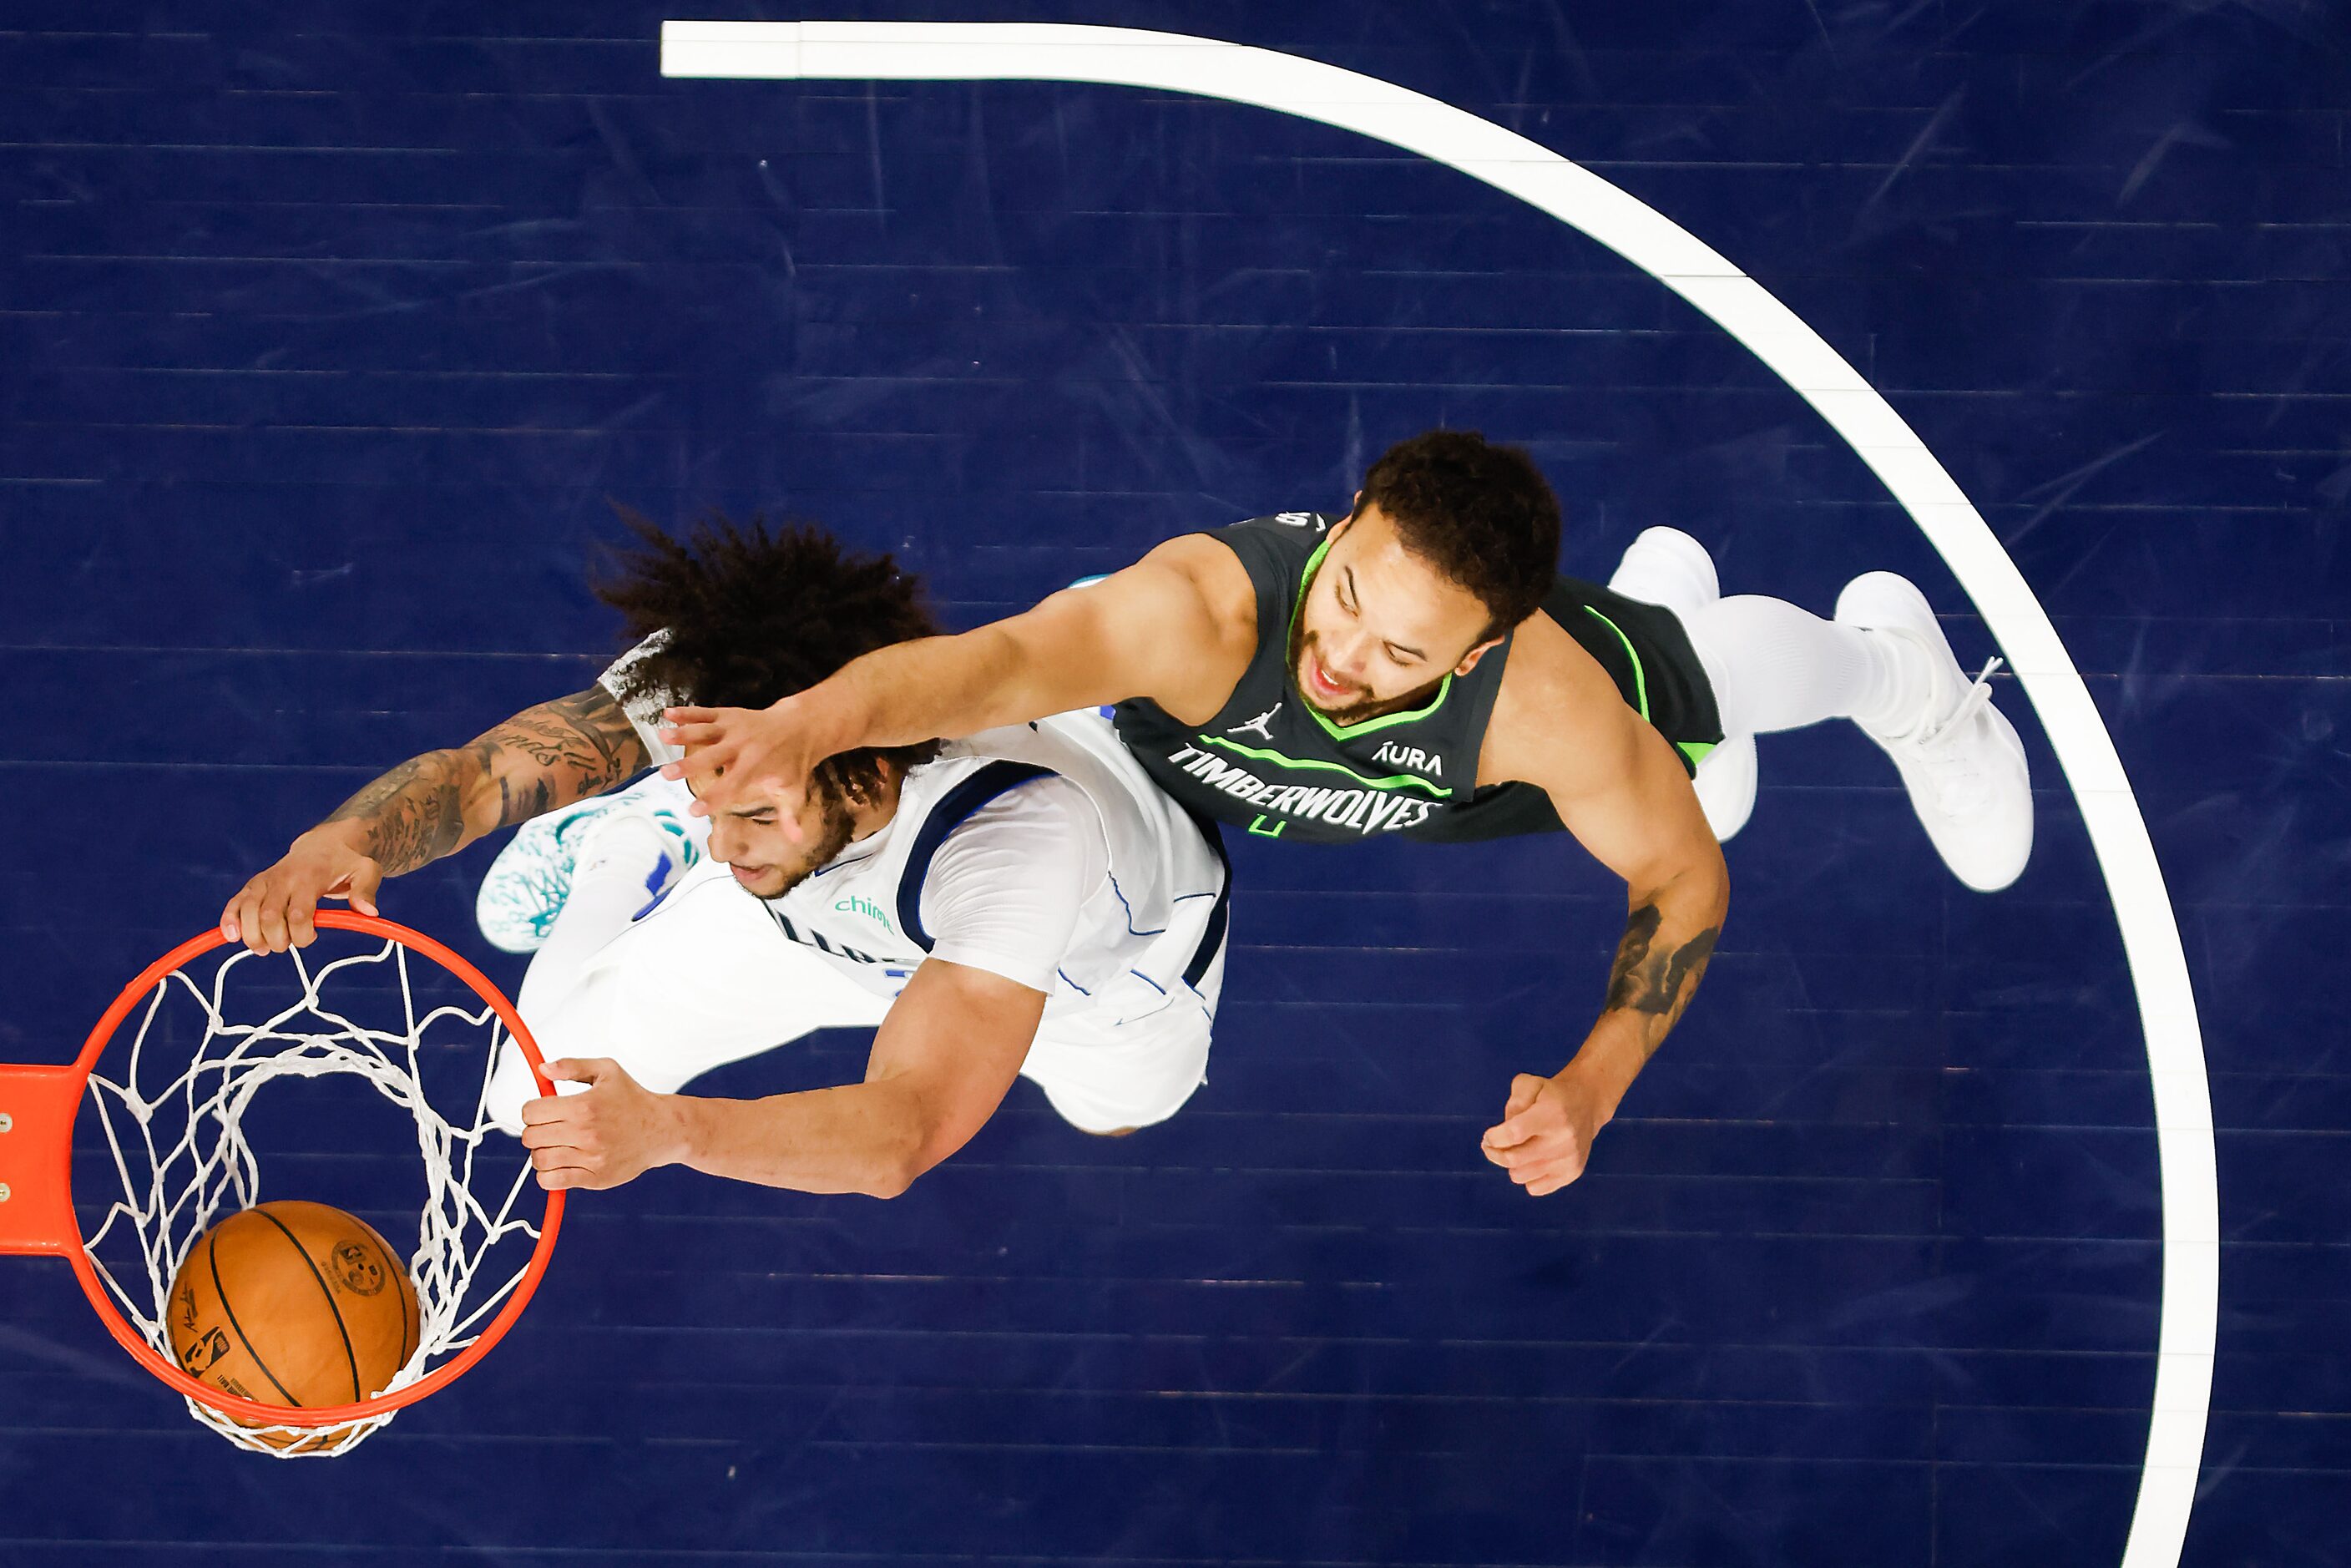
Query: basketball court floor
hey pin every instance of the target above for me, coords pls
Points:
(1946, 1229)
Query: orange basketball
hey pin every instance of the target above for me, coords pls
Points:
(294, 1303)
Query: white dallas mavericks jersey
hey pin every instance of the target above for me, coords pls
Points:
(1145, 933)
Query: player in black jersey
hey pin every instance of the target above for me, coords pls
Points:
(1418, 667)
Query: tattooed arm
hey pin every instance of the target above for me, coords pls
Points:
(1619, 789)
(436, 805)
(1652, 981)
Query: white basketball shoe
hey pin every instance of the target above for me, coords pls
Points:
(1958, 755)
(1667, 567)
(527, 884)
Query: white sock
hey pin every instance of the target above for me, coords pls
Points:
(623, 865)
(1775, 666)
(1908, 683)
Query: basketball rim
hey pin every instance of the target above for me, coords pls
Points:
(38, 1105)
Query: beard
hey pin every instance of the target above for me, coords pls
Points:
(1302, 643)
(831, 837)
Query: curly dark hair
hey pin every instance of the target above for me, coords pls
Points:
(752, 616)
(1480, 513)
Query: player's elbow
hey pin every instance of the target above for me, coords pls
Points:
(1702, 883)
(902, 1160)
(1687, 866)
(1065, 653)
(1718, 873)
(1709, 872)
(1013, 654)
(890, 1181)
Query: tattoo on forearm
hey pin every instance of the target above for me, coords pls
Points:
(413, 814)
(1657, 980)
(550, 756)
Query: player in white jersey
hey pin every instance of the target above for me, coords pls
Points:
(1021, 903)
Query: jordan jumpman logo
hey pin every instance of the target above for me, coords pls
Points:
(1262, 724)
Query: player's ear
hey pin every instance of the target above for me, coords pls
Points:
(887, 777)
(1469, 660)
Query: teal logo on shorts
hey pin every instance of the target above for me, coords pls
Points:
(854, 905)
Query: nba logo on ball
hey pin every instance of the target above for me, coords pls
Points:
(359, 1272)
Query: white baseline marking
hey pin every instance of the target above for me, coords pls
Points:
(1266, 78)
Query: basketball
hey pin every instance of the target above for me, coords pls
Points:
(294, 1303)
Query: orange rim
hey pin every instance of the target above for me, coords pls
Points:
(253, 1411)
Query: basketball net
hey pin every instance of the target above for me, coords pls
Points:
(175, 1127)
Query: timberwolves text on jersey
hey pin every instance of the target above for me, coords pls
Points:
(1363, 811)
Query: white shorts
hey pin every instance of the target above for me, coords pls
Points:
(704, 978)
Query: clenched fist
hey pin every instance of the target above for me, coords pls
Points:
(1545, 1134)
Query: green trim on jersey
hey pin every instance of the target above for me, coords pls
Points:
(1640, 681)
(1369, 725)
(1696, 750)
(1394, 782)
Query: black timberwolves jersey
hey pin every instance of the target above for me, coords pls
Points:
(1272, 763)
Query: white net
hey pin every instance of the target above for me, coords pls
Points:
(186, 1125)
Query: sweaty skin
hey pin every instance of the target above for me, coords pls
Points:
(1179, 628)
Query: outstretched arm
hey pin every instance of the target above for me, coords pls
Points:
(1177, 627)
(943, 1056)
(436, 805)
(1618, 788)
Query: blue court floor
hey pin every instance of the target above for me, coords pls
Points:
(327, 334)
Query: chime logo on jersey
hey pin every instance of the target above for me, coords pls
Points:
(1367, 812)
(854, 904)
